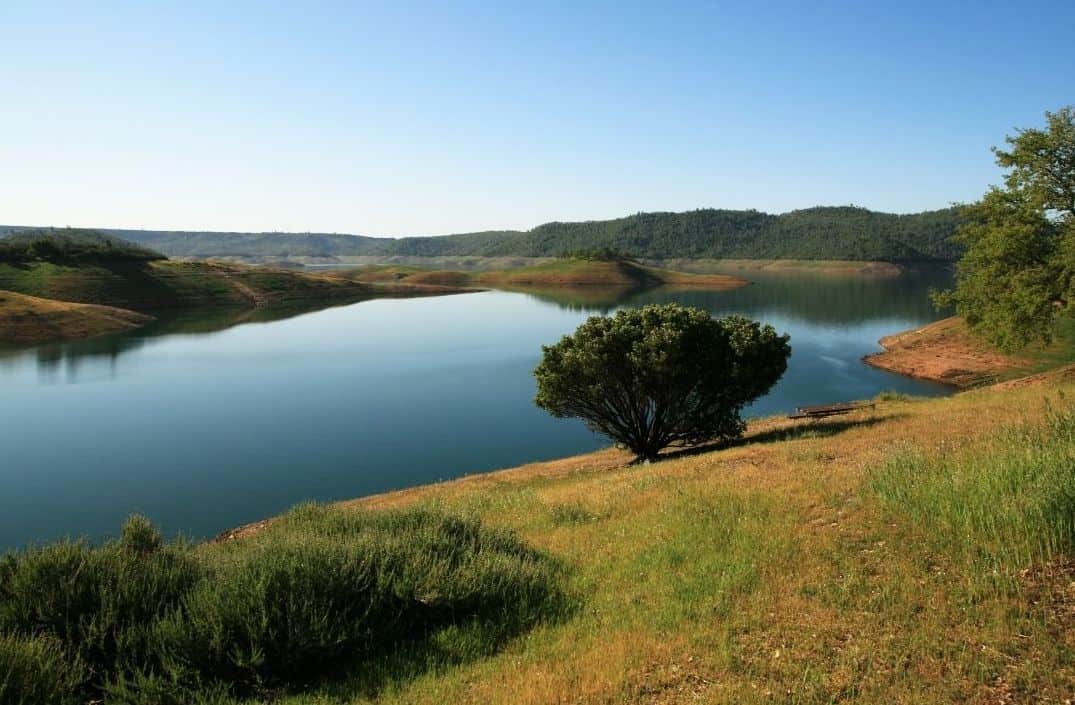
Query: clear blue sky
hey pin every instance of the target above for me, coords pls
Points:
(400, 118)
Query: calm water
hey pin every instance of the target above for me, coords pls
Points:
(204, 429)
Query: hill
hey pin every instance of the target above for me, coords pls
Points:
(71, 244)
(832, 233)
(565, 273)
(28, 319)
(64, 284)
(160, 285)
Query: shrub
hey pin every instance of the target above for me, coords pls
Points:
(145, 621)
(99, 602)
(323, 584)
(660, 375)
(36, 671)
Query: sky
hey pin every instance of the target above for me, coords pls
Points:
(426, 118)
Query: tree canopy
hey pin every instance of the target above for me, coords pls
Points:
(660, 375)
(59, 244)
(1016, 276)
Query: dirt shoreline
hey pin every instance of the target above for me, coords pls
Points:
(945, 352)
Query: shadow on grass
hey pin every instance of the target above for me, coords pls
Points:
(459, 644)
(821, 428)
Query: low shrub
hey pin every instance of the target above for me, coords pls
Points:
(100, 602)
(318, 589)
(36, 671)
(322, 584)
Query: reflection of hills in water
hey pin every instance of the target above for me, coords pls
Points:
(812, 298)
(101, 353)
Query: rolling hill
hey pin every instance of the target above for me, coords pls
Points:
(832, 233)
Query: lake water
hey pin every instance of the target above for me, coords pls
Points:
(204, 429)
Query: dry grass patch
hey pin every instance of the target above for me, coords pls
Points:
(30, 319)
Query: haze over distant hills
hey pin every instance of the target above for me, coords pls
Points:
(841, 233)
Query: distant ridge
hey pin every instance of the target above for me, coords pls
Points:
(833, 233)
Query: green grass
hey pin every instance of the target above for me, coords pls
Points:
(1061, 351)
(995, 508)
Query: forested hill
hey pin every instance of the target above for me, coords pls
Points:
(846, 233)
(70, 244)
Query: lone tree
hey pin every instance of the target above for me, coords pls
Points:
(1018, 272)
(659, 375)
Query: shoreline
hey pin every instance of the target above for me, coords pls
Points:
(32, 320)
(205, 285)
(943, 352)
(840, 268)
(50, 303)
(946, 352)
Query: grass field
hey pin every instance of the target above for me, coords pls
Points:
(919, 552)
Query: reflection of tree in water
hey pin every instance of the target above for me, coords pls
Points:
(813, 298)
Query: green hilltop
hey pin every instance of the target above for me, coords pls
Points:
(833, 233)
(71, 244)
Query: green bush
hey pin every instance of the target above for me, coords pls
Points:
(99, 601)
(153, 622)
(322, 584)
(36, 671)
(661, 375)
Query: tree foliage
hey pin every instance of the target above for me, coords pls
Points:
(660, 375)
(597, 254)
(1017, 273)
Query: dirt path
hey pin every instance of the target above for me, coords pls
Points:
(256, 297)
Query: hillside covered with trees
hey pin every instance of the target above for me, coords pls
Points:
(834, 233)
(69, 244)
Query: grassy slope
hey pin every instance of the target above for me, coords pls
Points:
(160, 285)
(946, 351)
(907, 553)
(29, 319)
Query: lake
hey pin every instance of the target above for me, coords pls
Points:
(203, 429)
